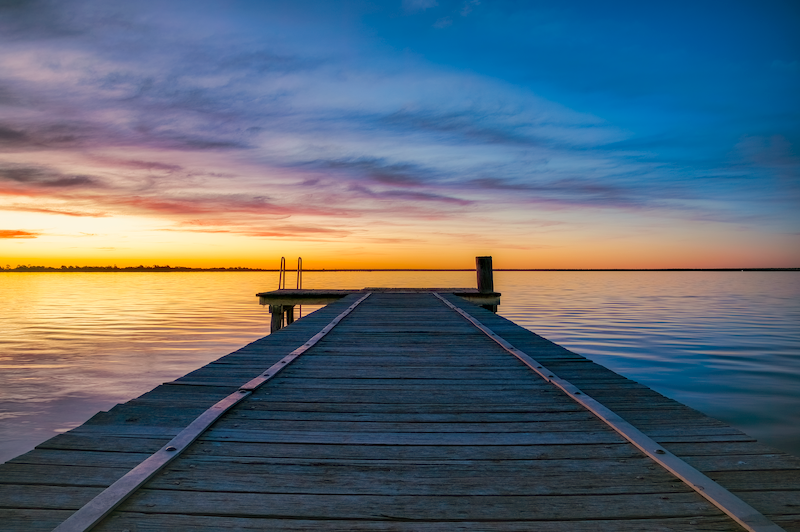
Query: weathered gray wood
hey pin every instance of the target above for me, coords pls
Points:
(514, 457)
(46, 497)
(223, 448)
(102, 442)
(750, 480)
(324, 297)
(79, 458)
(46, 520)
(449, 484)
(275, 404)
(421, 508)
(70, 475)
(744, 462)
(365, 427)
(407, 397)
(545, 477)
(31, 520)
(487, 418)
(406, 438)
(145, 522)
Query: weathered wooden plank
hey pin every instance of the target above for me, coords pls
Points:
(46, 497)
(751, 480)
(353, 427)
(420, 508)
(67, 475)
(297, 374)
(688, 438)
(655, 430)
(267, 404)
(28, 520)
(146, 522)
(390, 484)
(359, 427)
(406, 397)
(405, 438)
(416, 417)
(293, 450)
(573, 462)
(790, 523)
(151, 416)
(102, 442)
(57, 457)
(486, 386)
(744, 462)
(488, 478)
(705, 449)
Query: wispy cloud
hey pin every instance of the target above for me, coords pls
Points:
(468, 6)
(296, 232)
(16, 233)
(63, 212)
(411, 196)
(40, 177)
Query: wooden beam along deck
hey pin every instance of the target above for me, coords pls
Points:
(403, 416)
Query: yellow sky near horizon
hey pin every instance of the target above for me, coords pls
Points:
(133, 240)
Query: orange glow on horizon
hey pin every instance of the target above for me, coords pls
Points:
(209, 252)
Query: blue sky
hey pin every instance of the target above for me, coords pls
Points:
(550, 134)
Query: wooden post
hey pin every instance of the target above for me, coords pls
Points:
(289, 309)
(277, 318)
(483, 265)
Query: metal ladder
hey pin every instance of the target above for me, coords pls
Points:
(287, 313)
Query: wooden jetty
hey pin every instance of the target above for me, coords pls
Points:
(401, 411)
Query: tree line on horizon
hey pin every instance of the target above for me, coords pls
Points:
(140, 268)
(167, 268)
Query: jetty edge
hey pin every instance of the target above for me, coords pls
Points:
(409, 410)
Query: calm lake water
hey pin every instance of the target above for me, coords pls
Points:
(726, 343)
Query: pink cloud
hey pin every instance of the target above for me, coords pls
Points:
(45, 210)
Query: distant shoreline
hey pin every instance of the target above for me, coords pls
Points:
(135, 269)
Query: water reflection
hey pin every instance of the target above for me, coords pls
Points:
(75, 343)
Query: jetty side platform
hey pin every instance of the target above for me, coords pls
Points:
(403, 415)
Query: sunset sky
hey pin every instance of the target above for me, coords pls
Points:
(407, 133)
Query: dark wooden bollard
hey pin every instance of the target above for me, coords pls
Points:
(483, 267)
(289, 310)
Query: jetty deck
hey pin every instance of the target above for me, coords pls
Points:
(402, 415)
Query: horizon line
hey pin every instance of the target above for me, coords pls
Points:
(159, 269)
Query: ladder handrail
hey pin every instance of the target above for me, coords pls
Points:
(299, 273)
(299, 283)
(282, 274)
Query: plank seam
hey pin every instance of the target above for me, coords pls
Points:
(105, 502)
(738, 510)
